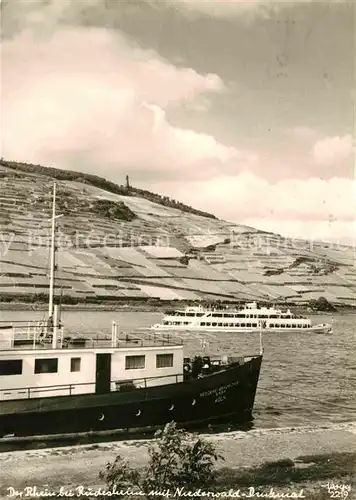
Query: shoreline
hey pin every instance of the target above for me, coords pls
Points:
(247, 456)
(146, 307)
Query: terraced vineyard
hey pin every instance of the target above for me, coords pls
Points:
(123, 247)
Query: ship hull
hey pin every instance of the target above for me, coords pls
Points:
(325, 328)
(227, 393)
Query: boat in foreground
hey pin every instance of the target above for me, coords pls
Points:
(77, 386)
(249, 319)
(51, 384)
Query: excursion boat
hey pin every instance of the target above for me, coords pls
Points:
(248, 319)
(52, 384)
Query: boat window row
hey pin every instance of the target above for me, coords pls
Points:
(186, 314)
(251, 315)
(175, 323)
(237, 325)
(138, 362)
(231, 315)
(229, 325)
(288, 325)
(50, 365)
(42, 365)
(252, 325)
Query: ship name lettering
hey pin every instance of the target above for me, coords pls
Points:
(219, 390)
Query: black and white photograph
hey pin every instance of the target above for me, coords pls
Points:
(178, 249)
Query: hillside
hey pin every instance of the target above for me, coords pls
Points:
(121, 243)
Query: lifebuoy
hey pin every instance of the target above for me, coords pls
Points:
(171, 408)
(138, 413)
(193, 402)
(102, 416)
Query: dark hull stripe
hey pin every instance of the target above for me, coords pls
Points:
(229, 392)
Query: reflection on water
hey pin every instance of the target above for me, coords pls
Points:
(320, 368)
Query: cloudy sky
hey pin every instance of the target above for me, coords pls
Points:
(239, 107)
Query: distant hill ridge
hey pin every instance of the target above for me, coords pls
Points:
(118, 244)
(100, 182)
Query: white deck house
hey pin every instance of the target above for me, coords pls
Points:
(95, 366)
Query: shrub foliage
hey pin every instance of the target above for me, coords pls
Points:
(176, 460)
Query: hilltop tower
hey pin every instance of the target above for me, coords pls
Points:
(127, 182)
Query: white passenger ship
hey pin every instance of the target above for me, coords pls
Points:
(248, 319)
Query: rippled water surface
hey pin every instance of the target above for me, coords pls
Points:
(306, 379)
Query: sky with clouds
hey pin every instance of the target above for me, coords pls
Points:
(240, 108)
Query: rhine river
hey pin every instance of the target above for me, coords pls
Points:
(306, 379)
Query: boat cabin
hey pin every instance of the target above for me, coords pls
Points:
(32, 368)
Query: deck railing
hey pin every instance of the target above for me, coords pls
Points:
(71, 389)
(39, 335)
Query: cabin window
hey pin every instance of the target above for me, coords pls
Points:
(75, 364)
(243, 325)
(164, 360)
(46, 365)
(135, 362)
(213, 324)
(254, 325)
(220, 324)
(202, 323)
(11, 367)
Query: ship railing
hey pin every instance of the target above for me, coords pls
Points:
(30, 331)
(26, 327)
(120, 385)
(39, 336)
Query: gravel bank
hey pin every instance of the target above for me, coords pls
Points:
(80, 465)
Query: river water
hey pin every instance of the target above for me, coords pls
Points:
(306, 379)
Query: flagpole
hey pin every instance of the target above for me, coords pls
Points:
(261, 343)
(52, 264)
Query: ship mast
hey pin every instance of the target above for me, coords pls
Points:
(53, 250)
